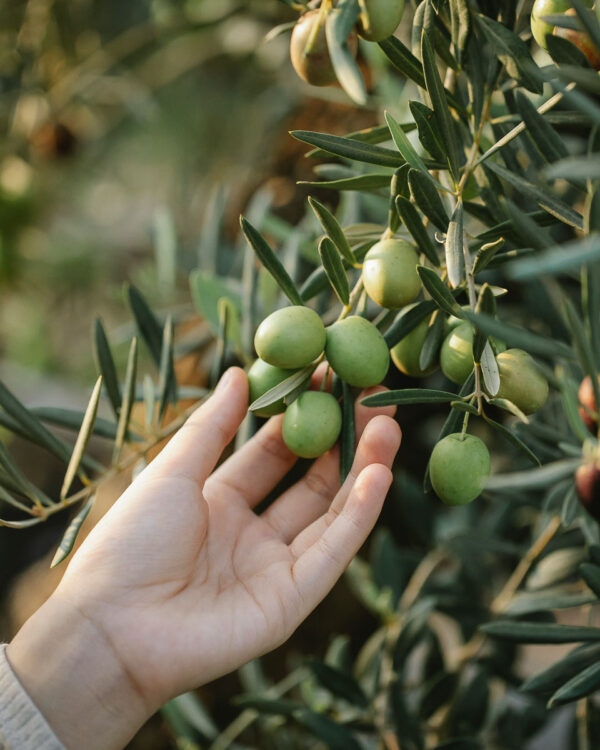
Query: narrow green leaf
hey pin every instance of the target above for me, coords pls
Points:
(414, 224)
(341, 684)
(439, 291)
(149, 399)
(435, 89)
(128, 397)
(106, 365)
(548, 681)
(332, 228)
(516, 337)
(167, 383)
(558, 259)
(428, 135)
(409, 396)
(407, 320)
(71, 419)
(68, 541)
(372, 181)
(283, 389)
(207, 289)
(87, 428)
(404, 146)
(546, 200)
(533, 479)
(148, 326)
(340, 22)
(336, 736)
(433, 341)
(513, 52)
(348, 436)
(516, 441)
(539, 632)
(455, 259)
(564, 52)
(31, 425)
(562, 596)
(334, 269)
(486, 254)
(589, 21)
(271, 262)
(489, 370)
(426, 197)
(547, 140)
(351, 149)
(508, 406)
(485, 304)
(460, 27)
(377, 134)
(585, 683)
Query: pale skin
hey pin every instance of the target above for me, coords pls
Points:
(181, 582)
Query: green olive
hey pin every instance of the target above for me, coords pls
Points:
(459, 468)
(314, 67)
(540, 29)
(357, 352)
(381, 19)
(290, 338)
(520, 381)
(261, 378)
(390, 273)
(456, 356)
(406, 353)
(312, 424)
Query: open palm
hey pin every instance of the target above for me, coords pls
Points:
(187, 582)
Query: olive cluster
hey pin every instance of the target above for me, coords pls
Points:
(309, 51)
(541, 28)
(294, 337)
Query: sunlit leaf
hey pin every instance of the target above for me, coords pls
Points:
(70, 536)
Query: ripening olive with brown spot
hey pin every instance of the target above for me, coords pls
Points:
(587, 485)
(313, 64)
(357, 352)
(379, 19)
(261, 378)
(541, 8)
(390, 273)
(459, 468)
(407, 352)
(581, 39)
(588, 409)
(312, 424)
(520, 381)
(290, 338)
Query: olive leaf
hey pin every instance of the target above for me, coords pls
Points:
(148, 326)
(408, 396)
(332, 229)
(407, 320)
(128, 398)
(70, 536)
(539, 632)
(414, 224)
(340, 22)
(348, 435)
(585, 683)
(334, 269)
(439, 291)
(283, 389)
(351, 149)
(425, 195)
(106, 365)
(271, 262)
(455, 259)
(87, 428)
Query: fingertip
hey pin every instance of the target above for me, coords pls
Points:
(385, 429)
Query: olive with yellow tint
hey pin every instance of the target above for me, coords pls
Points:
(312, 424)
(261, 378)
(379, 19)
(390, 273)
(520, 381)
(357, 352)
(290, 338)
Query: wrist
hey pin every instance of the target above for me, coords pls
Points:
(68, 667)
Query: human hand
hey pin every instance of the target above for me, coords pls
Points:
(182, 582)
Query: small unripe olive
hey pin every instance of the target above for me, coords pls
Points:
(456, 356)
(588, 409)
(581, 39)
(290, 338)
(459, 468)
(390, 273)
(587, 485)
(381, 19)
(261, 378)
(315, 66)
(520, 381)
(312, 424)
(406, 353)
(540, 29)
(357, 352)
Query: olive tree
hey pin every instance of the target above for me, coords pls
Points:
(459, 261)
